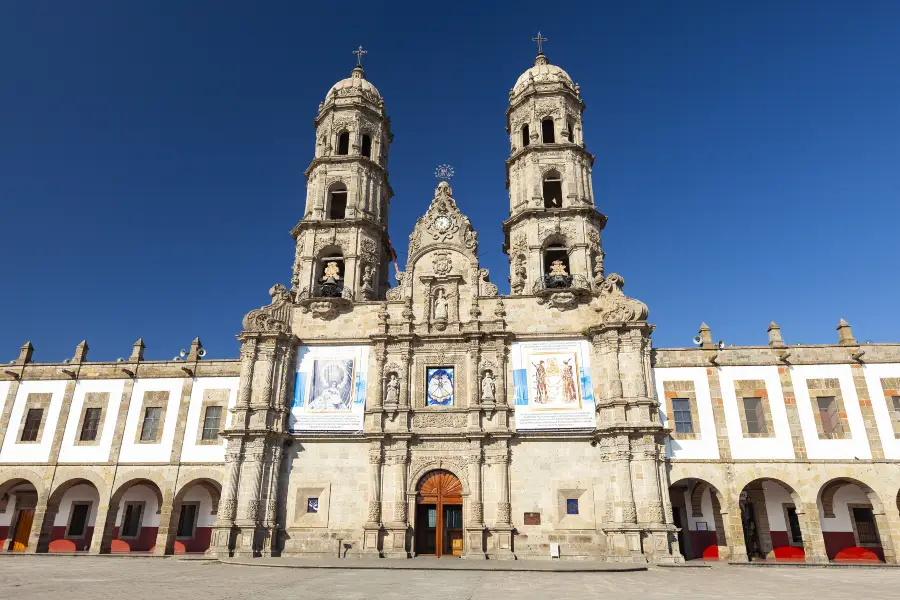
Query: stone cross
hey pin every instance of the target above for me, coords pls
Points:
(540, 42)
(359, 54)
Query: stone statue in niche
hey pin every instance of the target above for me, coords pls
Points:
(488, 387)
(392, 391)
(367, 288)
(441, 305)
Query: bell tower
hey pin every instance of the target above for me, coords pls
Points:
(552, 236)
(342, 242)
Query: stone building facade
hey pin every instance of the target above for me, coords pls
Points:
(438, 417)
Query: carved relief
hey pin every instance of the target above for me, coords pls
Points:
(441, 263)
(614, 306)
(439, 419)
(487, 288)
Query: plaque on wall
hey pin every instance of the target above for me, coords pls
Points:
(701, 526)
(533, 518)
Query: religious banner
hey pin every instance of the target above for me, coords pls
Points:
(330, 389)
(552, 385)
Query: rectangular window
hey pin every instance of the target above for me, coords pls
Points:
(78, 520)
(831, 419)
(211, 420)
(186, 520)
(865, 525)
(895, 404)
(572, 506)
(756, 417)
(681, 407)
(90, 425)
(131, 520)
(150, 426)
(32, 424)
(794, 525)
(312, 505)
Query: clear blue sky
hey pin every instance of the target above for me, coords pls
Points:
(152, 155)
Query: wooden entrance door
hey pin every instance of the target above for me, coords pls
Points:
(439, 527)
(23, 530)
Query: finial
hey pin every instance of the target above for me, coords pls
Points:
(137, 351)
(444, 172)
(845, 334)
(359, 54)
(540, 42)
(705, 337)
(81, 351)
(775, 339)
(196, 352)
(25, 353)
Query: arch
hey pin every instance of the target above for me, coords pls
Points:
(774, 521)
(686, 497)
(548, 130)
(438, 522)
(143, 537)
(54, 538)
(570, 129)
(200, 537)
(551, 188)
(343, 143)
(126, 485)
(366, 149)
(526, 138)
(330, 273)
(336, 201)
(18, 534)
(854, 531)
(437, 464)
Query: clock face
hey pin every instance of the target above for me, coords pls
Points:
(442, 223)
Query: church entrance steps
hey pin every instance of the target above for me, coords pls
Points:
(436, 564)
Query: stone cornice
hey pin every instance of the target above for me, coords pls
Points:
(350, 159)
(540, 147)
(339, 224)
(584, 210)
(534, 91)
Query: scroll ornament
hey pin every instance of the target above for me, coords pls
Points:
(614, 306)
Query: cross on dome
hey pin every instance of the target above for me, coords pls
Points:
(540, 42)
(359, 54)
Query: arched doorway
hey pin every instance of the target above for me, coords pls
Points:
(18, 499)
(697, 512)
(439, 517)
(850, 513)
(774, 521)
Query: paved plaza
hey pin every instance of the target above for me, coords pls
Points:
(27, 578)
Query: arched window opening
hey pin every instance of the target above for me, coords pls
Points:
(525, 136)
(343, 148)
(337, 202)
(547, 132)
(570, 126)
(330, 278)
(367, 146)
(556, 267)
(552, 188)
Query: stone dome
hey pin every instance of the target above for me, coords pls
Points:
(543, 73)
(355, 85)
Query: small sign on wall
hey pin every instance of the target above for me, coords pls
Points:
(702, 526)
(554, 550)
(533, 518)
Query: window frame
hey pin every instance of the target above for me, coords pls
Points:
(759, 416)
(203, 423)
(852, 508)
(31, 428)
(196, 506)
(87, 518)
(141, 505)
(155, 432)
(834, 417)
(552, 130)
(687, 410)
(85, 421)
(787, 508)
(342, 136)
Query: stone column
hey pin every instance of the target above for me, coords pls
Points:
(245, 384)
(502, 529)
(395, 539)
(623, 479)
(474, 545)
(380, 360)
(734, 528)
(811, 529)
(650, 468)
(249, 512)
(221, 537)
(372, 528)
(103, 528)
(166, 524)
(406, 361)
(39, 537)
(475, 383)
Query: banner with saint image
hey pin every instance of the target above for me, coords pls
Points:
(330, 389)
(552, 385)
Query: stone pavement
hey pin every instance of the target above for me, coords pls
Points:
(435, 564)
(86, 577)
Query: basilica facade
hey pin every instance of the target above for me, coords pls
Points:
(437, 417)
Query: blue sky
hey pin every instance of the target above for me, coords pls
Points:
(152, 155)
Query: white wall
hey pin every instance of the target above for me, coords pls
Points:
(190, 450)
(140, 493)
(883, 418)
(705, 505)
(707, 446)
(197, 493)
(69, 451)
(849, 493)
(776, 497)
(77, 493)
(15, 451)
(148, 453)
(779, 446)
(857, 446)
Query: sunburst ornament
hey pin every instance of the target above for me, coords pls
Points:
(444, 172)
